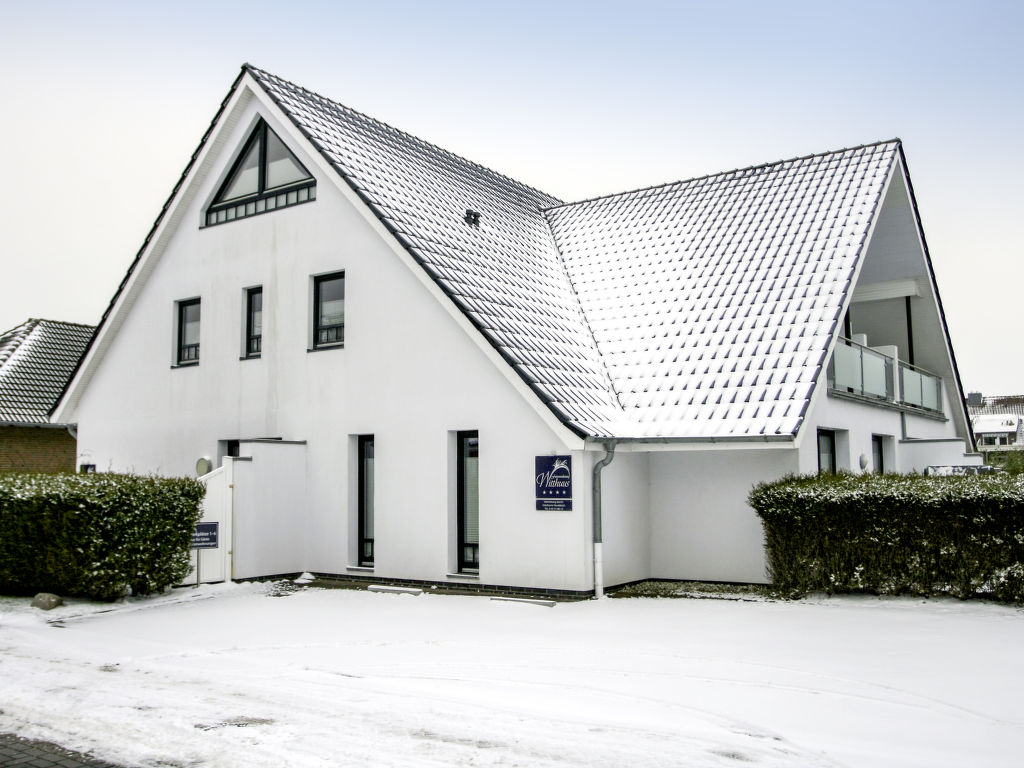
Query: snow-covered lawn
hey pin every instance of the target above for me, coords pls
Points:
(230, 677)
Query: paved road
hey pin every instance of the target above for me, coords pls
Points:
(16, 752)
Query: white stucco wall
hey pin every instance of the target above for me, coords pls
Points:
(626, 527)
(701, 525)
(855, 422)
(408, 374)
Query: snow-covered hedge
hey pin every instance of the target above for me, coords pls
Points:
(96, 535)
(893, 534)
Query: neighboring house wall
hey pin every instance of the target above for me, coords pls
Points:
(36, 449)
(408, 374)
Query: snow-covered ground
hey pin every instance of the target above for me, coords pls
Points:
(231, 677)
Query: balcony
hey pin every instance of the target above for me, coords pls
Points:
(870, 374)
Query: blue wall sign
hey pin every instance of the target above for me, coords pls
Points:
(553, 483)
(205, 536)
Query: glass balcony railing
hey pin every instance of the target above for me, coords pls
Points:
(920, 388)
(862, 371)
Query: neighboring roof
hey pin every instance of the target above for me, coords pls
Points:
(36, 360)
(698, 310)
(998, 404)
(993, 422)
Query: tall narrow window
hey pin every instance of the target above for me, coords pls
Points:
(253, 322)
(468, 500)
(266, 176)
(329, 310)
(188, 332)
(877, 453)
(826, 450)
(366, 500)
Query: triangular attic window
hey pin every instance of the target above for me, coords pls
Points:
(266, 176)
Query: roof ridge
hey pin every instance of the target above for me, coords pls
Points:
(895, 140)
(254, 69)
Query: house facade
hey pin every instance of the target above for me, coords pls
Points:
(396, 364)
(36, 360)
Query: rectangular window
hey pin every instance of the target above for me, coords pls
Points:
(877, 453)
(329, 310)
(365, 500)
(827, 451)
(188, 332)
(254, 322)
(468, 482)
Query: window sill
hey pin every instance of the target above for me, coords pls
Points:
(468, 575)
(321, 347)
(249, 357)
(194, 364)
(359, 568)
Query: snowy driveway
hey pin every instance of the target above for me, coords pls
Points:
(229, 677)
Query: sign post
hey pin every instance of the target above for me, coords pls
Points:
(205, 536)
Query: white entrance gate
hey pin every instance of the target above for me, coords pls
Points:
(212, 562)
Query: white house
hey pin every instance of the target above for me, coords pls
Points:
(414, 368)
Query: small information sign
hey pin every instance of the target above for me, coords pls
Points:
(553, 483)
(205, 536)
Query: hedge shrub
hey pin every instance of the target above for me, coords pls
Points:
(96, 535)
(895, 534)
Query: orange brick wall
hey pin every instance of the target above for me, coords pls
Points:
(34, 449)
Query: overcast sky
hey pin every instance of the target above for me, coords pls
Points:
(105, 102)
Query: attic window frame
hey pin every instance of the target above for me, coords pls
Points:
(263, 200)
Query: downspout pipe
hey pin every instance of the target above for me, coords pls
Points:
(609, 447)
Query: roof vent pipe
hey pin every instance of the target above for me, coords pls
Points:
(609, 446)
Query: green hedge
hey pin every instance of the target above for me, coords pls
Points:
(95, 535)
(895, 534)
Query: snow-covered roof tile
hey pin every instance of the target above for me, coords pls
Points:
(36, 360)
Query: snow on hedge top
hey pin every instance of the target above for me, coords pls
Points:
(698, 309)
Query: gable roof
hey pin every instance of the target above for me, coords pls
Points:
(703, 309)
(36, 360)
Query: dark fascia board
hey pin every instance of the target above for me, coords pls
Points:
(149, 237)
(938, 299)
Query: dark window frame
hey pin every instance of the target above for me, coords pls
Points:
(263, 200)
(830, 435)
(187, 354)
(338, 329)
(253, 342)
(468, 552)
(365, 545)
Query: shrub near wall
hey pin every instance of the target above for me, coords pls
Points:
(95, 535)
(895, 534)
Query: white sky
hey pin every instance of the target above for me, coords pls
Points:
(107, 100)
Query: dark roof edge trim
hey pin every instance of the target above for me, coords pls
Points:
(600, 441)
(758, 167)
(256, 72)
(850, 282)
(149, 237)
(386, 222)
(938, 299)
